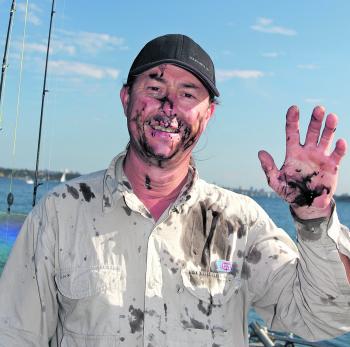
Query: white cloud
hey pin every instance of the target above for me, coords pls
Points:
(56, 47)
(92, 42)
(33, 11)
(74, 68)
(307, 66)
(223, 75)
(265, 25)
(35, 47)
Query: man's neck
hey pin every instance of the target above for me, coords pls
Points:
(157, 187)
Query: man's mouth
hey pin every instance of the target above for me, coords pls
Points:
(165, 129)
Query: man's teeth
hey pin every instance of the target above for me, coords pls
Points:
(167, 130)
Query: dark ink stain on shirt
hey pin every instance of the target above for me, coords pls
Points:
(230, 228)
(127, 184)
(205, 310)
(106, 201)
(136, 319)
(139, 249)
(148, 182)
(194, 324)
(64, 195)
(205, 231)
(206, 250)
(234, 269)
(72, 191)
(329, 300)
(165, 312)
(127, 210)
(174, 270)
(246, 272)
(122, 339)
(240, 254)
(85, 258)
(56, 194)
(241, 229)
(309, 232)
(275, 256)
(97, 234)
(87, 193)
(254, 256)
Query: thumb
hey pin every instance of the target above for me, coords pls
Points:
(268, 165)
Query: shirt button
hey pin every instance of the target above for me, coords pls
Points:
(180, 290)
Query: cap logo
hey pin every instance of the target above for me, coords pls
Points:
(198, 62)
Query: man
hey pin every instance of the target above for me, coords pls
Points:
(147, 254)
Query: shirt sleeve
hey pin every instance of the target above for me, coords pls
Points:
(28, 306)
(305, 290)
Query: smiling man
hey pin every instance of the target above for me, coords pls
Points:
(147, 254)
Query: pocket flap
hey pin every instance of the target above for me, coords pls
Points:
(80, 283)
(211, 287)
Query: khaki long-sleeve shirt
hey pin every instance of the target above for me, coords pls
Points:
(92, 268)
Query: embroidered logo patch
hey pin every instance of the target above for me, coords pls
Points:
(223, 266)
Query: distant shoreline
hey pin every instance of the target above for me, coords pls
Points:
(25, 174)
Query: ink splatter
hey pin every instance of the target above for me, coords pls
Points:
(306, 195)
(127, 184)
(205, 310)
(148, 182)
(254, 256)
(246, 272)
(106, 202)
(127, 210)
(136, 319)
(72, 191)
(87, 193)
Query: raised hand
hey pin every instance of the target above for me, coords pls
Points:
(308, 177)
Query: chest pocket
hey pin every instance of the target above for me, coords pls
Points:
(90, 300)
(205, 316)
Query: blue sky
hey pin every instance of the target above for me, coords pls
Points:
(268, 56)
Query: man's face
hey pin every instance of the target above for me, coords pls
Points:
(167, 110)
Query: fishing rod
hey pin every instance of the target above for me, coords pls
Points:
(36, 185)
(4, 61)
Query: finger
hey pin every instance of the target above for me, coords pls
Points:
(339, 151)
(328, 132)
(313, 131)
(292, 128)
(269, 166)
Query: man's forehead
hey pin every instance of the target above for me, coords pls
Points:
(164, 70)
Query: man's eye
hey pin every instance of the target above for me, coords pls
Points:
(188, 95)
(153, 89)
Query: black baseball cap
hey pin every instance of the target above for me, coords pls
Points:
(179, 50)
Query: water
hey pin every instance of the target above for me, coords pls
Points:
(22, 191)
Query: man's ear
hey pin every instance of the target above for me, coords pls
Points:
(211, 110)
(125, 98)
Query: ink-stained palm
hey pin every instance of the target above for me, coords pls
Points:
(308, 177)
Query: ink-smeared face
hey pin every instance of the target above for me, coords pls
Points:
(167, 110)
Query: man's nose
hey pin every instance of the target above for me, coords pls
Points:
(167, 104)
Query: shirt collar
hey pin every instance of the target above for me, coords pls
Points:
(116, 184)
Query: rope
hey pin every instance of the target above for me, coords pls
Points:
(10, 195)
